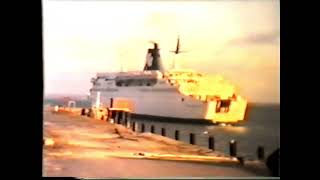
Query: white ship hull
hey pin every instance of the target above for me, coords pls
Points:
(161, 100)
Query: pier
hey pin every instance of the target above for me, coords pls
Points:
(81, 146)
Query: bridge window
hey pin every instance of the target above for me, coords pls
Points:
(136, 82)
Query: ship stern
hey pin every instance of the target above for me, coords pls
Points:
(226, 110)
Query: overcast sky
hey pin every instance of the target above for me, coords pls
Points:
(238, 39)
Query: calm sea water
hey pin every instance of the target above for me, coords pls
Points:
(262, 128)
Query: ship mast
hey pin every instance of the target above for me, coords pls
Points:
(176, 52)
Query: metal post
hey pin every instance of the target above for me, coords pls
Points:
(260, 152)
(233, 148)
(163, 131)
(133, 126)
(211, 142)
(192, 138)
(83, 112)
(176, 135)
(111, 102)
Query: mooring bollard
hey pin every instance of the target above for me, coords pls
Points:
(260, 152)
(142, 127)
(152, 129)
(176, 135)
(163, 131)
(83, 111)
(133, 126)
(211, 142)
(192, 138)
(233, 148)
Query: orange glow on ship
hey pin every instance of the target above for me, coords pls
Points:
(223, 103)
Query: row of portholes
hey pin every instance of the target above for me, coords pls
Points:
(132, 84)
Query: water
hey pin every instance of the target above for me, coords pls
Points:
(261, 129)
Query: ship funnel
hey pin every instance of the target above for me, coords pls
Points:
(153, 61)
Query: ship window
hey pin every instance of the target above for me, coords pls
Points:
(223, 106)
(136, 82)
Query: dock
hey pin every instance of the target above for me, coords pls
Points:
(81, 146)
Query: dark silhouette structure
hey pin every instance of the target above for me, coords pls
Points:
(273, 163)
(153, 61)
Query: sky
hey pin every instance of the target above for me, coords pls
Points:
(237, 39)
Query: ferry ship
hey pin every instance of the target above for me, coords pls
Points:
(175, 94)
